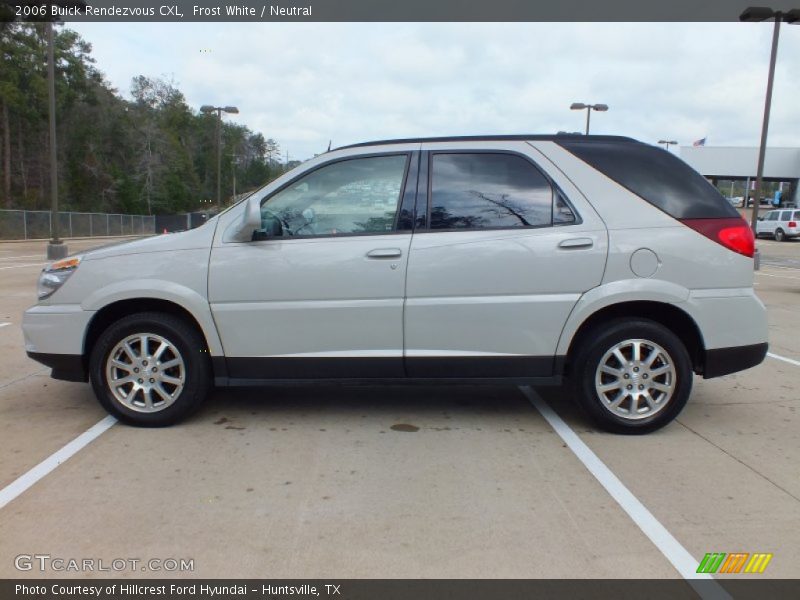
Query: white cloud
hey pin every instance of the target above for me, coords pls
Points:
(304, 84)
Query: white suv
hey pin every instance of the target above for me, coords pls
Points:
(780, 224)
(518, 259)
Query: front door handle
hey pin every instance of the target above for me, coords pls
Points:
(577, 243)
(379, 253)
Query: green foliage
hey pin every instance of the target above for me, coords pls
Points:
(149, 154)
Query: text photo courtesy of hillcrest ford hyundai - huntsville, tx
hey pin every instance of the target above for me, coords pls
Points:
(399, 308)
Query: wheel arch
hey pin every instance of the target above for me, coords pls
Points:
(670, 316)
(117, 309)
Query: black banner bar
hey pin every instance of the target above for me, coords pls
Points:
(395, 589)
(384, 10)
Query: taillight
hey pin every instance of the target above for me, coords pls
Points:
(733, 233)
(792, 223)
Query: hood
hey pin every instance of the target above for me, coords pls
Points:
(200, 237)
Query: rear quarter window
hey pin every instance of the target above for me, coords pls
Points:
(655, 175)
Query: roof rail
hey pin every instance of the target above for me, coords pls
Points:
(497, 138)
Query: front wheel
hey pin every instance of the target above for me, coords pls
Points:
(150, 369)
(632, 376)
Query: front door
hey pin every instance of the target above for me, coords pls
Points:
(321, 295)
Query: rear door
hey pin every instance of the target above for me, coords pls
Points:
(499, 258)
(771, 222)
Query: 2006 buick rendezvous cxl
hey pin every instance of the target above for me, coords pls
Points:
(519, 259)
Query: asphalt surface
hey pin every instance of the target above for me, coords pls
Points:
(394, 482)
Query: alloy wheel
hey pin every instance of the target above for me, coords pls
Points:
(635, 379)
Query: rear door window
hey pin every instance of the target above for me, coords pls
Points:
(489, 191)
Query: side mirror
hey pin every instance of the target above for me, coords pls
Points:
(251, 221)
(271, 228)
(760, 218)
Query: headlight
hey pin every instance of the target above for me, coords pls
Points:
(55, 275)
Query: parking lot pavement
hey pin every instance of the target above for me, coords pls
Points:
(27, 394)
(404, 481)
(322, 482)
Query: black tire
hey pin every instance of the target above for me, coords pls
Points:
(189, 346)
(592, 348)
(780, 236)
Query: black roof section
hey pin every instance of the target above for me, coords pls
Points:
(533, 137)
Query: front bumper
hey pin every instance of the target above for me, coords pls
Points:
(68, 367)
(723, 361)
(54, 336)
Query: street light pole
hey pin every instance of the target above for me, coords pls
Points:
(233, 164)
(763, 14)
(762, 150)
(589, 108)
(207, 109)
(668, 143)
(219, 160)
(55, 248)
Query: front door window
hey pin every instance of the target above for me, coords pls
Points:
(348, 197)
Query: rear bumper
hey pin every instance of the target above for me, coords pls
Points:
(68, 367)
(723, 361)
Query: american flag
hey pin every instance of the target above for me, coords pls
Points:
(700, 142)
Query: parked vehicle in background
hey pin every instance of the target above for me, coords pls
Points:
(518, 259)
(780, 224)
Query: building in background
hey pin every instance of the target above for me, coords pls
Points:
(733, 171)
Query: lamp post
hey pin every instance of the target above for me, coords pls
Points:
(56, 248)
(589, 108)
(668, 143)
(208, 109)
(234, 164)
(757, 14)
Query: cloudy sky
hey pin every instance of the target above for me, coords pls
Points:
(304, 84)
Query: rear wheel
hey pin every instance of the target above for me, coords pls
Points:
(150, 369)
(779, 235)
(632, 376)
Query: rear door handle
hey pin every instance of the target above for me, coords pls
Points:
(577, 243)
(379, 253)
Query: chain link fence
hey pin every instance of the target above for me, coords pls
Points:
(38, 224)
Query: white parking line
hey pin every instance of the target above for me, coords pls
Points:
(26, 480)
(20, 266)
(4, 324)
(791, 361)
(671, 548)
(771, 266)
(778, 276)
(20, 256)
